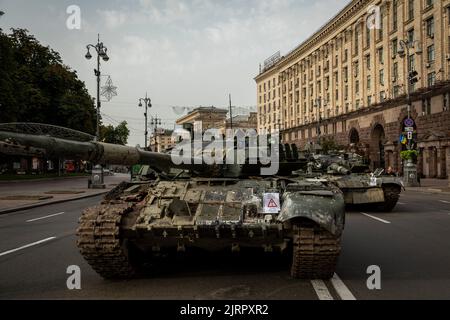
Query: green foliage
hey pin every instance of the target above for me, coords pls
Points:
(115, 135)
(329, 144)
(409, 155)
(35, 85)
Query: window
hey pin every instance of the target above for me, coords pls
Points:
(410, 9)
(430, 27)
(345, 55)
(368, 37)
(429, 3)
(337, 94)
(411, 63)
(382, 96)
(382, 77)
(357, 39)
(431, 79)
(369, 82)
(394, 15)
(369, 101)
(345, 74)
(394, 47)
(368, 61)
(426, 106)
(356, 69)
(395, 71)
(346, 93)
(357, 104)
(381, 55)
(357, 86)
(431, 53)
(411, 36)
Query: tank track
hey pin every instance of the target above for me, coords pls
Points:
(100, 244)
(391, 197)
(315, 253)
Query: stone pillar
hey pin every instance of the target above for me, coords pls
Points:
(426, 162)
(442, 166)
(396, 161)
(420, 162)
(433, 162)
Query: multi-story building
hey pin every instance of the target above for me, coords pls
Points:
(162, 140)
(350, 81)
(210, 117)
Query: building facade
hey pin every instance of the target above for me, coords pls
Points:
(162, 140)
(210, 117)
(350, 81)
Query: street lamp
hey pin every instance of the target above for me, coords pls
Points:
(410, 169)
(405, 47)
(101, 53)
(148, 104)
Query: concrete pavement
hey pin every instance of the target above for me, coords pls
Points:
(23, 195)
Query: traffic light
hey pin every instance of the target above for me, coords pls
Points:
(413, 77)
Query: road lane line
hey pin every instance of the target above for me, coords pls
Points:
(443, 201)
(341, 288)
(45, 217)
(26, 246)
(321, 290)
(375, 218)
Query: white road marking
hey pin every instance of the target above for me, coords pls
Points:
(45, 217)
(341, 288)
(401, 203)
(375, 218)
(443, 201)
(26, 246)
(321, 290)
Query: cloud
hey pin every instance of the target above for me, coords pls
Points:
(112, 19)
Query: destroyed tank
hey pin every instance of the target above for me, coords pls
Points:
(361, 187)
(184, 206)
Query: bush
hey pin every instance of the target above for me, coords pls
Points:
(409, 155)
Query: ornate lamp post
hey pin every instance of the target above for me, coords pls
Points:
(97, 181)
(148, 104)
(101, 53)
(410, 169)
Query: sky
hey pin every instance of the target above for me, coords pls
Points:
(181, 52)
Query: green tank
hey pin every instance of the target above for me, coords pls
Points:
(176, 208)
(361, 187)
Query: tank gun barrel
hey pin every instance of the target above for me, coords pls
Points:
(96, 152)
(338, 169)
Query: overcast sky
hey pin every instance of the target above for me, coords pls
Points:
(182, 52)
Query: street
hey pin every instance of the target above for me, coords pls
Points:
(411, 246)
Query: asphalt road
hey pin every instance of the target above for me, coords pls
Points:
(410, 245)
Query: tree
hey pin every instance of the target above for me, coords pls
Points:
(35, 85)
(115, 135)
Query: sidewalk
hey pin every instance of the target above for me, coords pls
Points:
(15, 196)
(440, 186)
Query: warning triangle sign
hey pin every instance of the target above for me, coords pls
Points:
(272, 204)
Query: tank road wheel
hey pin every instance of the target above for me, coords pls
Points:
(315, 253)
(391, 196)
(100, 244)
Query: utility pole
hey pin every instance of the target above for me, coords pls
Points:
(148, 104)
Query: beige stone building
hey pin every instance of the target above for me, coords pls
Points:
(162, 141)
(249, 121)
(211, 117)
(350, 80)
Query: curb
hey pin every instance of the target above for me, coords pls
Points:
(429, 191)
(36, 205)
(41, 180)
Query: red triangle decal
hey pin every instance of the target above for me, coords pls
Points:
(272, 204)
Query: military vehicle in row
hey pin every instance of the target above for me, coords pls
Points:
(212, 207)
(351, 173)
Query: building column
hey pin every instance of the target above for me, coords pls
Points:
(420, 162)
(441, 165)
(433, 162)
(426, 162)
